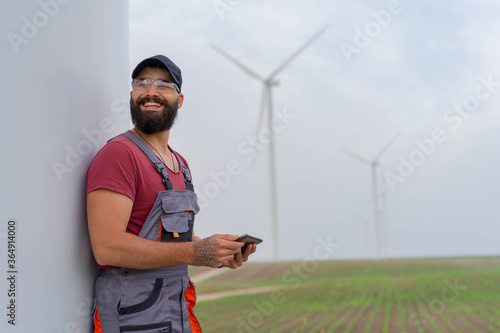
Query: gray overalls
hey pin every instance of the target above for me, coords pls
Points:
(160, 299)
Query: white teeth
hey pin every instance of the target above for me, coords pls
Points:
(152, 104)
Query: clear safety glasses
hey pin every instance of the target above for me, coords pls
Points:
(160, 85)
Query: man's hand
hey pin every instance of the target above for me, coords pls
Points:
(215, 250)
(239, 258)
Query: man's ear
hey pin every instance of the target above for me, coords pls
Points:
(180, 100)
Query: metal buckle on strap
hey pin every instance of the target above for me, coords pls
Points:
(159, 167)
(187, 178)
(186, 173)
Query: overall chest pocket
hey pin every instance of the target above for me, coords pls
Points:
(177, 218)
(177, 227)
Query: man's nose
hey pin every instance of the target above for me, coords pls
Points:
(152, 91)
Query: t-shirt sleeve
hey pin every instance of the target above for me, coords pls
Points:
(113, 168)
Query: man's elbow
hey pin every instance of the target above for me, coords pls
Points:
(103, 256)
(101, 260)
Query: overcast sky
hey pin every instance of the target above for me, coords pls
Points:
(424, 70)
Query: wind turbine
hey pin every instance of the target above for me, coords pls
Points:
(365, 225)
(385, 231)
(268, 83)
(383, 213)
(375, 193)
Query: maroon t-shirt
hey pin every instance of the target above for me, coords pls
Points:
(123, 167)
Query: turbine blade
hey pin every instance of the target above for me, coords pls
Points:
(386, 147)
(237, 63)
(263, 103)
(296, 53)
(354, 155)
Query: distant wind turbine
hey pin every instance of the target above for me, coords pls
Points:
(375, 193)
(383, 213)
(365, 223)
(266, 104)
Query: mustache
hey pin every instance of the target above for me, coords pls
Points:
(145, 99)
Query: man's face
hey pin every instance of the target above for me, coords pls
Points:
(153, 111)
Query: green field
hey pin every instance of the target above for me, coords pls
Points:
(410, 295)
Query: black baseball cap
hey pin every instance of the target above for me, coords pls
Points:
(163, 62)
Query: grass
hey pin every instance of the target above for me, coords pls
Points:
(413, 295)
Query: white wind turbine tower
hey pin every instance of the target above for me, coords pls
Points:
(365, 232)
(375, 192)
(383, 213)
(268, 83)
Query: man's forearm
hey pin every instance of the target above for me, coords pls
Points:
(131, 251)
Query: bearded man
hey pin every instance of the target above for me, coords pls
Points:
(141, 206)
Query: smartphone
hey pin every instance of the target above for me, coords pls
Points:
(247, 239)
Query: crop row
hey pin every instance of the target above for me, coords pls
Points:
(458, 299)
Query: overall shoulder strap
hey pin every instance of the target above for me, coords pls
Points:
(186, 173)
(158, 165)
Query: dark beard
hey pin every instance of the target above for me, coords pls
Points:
(150, 122)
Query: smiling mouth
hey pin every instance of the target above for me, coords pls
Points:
(149, 105)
